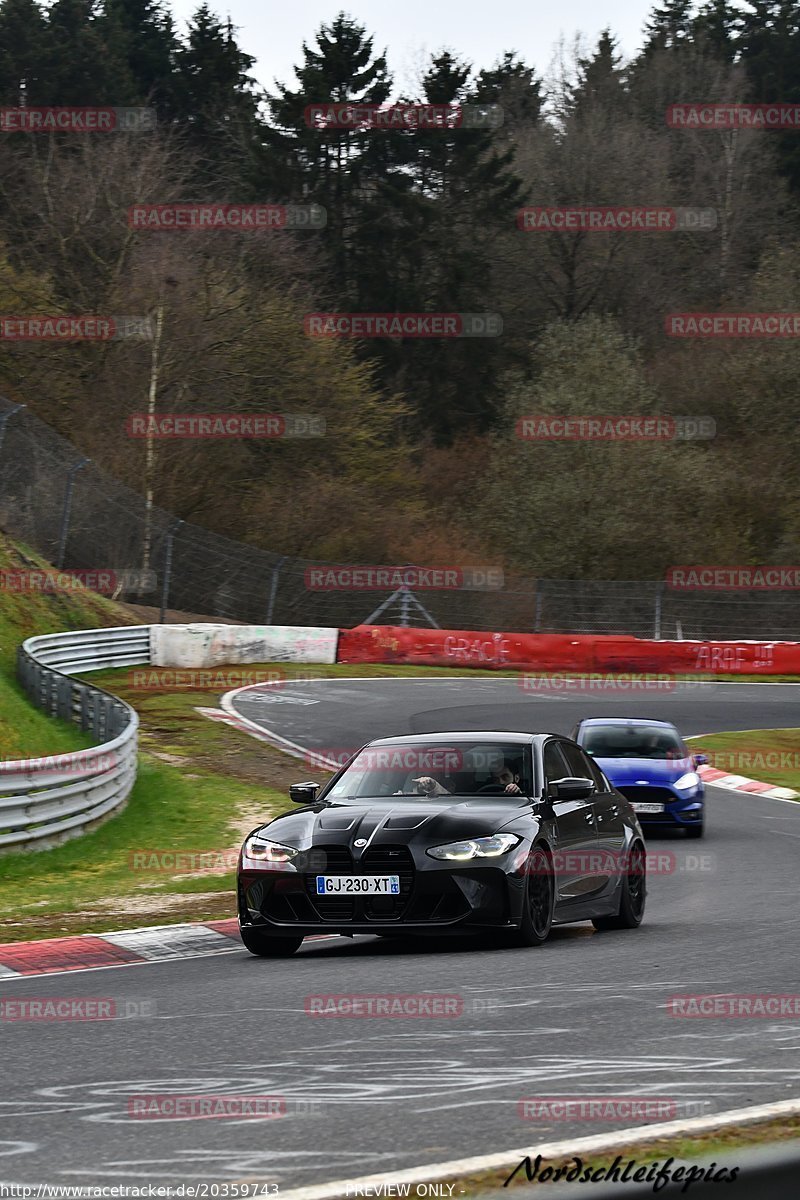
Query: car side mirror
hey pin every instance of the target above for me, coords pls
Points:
(571, 788)
(304, 793)
(699, 760)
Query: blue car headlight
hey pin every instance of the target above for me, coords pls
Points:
(687, 783)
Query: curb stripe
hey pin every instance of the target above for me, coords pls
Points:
(120, 948)
(740, 783)
(230, 927)
(168, 941)
(63, 954)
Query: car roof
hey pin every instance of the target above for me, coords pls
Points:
(472, 735)
(626, 721)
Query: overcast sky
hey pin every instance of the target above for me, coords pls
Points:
(410, 30)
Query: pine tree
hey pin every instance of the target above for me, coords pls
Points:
(769, 45)
(514, 87)
(144, 36)
(669, 24)
(600, 79)
(23, 51)
(341, 68)
(345, 171)
(82, 67)
(465, 194)
(715, 26)
(217, 101)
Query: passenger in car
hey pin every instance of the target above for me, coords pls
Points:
(428, 786)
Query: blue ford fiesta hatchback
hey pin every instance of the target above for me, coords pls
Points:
(648, 762)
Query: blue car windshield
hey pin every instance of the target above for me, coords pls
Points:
(632, 741)
(431, 770)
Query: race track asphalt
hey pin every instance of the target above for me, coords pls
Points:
(584, 1015)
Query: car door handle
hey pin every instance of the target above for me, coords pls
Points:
(614, 810)
(589, 818)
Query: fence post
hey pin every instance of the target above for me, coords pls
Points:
(65, 514)
(537, 620)
(404, 606)
(657, 615)
(170, 538)
(4, 420)
(273, 588)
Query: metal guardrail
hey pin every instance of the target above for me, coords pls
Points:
(45, 800)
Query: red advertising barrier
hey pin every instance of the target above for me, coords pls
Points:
(461, 648)
(563, 652)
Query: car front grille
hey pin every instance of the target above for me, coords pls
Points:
(647, 794)
(378, 860)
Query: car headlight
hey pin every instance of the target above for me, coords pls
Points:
(686, 782)
(271, 853)
(483, 847)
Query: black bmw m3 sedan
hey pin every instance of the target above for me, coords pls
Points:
(446, 833)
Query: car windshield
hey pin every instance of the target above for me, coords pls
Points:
(432, 770)
(632, 741)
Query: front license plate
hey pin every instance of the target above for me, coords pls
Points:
(639, 806)
(358, 885)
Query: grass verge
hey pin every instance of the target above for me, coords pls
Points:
(25, 732)
(721, 1145)
(768, 755)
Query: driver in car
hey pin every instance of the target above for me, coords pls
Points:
(506, 778)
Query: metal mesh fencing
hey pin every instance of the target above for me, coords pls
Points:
(79, 517)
